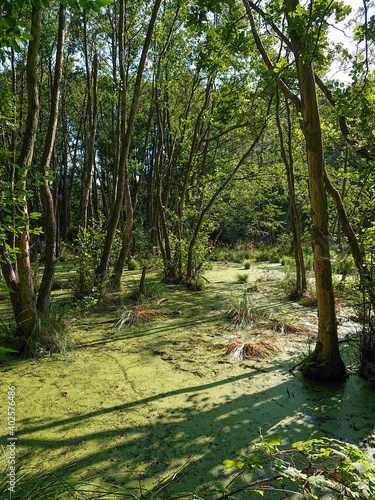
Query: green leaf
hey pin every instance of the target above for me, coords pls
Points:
(274, 440)
(229, 463)
(35, 215)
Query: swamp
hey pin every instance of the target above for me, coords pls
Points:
(161, 402)
(187, 249)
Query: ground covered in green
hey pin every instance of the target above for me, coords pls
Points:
(163, 399)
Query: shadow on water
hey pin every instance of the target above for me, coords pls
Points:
(197, 427)
(138, 406)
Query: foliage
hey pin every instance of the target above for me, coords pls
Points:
(247, 264)
(14, 219)
(132, 264)
(313, 467)
(238, 252)
(87, 249)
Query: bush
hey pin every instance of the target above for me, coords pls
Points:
(247, 264)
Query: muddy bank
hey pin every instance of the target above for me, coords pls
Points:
(136, 405)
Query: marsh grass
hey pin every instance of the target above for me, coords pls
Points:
(242, 278)
(241, 312)
(51, 486)
(254, 348)
(53, 335)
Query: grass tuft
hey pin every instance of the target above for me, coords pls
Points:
(241, 312)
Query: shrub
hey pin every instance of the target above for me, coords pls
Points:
(247, 264)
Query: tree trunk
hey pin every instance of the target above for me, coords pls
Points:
(325, 363)
(44, 296)
(126, 136)
(296, 221)
(92, 107)
(23, 296)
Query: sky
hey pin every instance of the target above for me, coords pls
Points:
(344, 35)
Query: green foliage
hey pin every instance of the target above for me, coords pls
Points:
(14, 219)
(267, 253)
(247, 264)
(132, 264)
(13, 28)
(86, 254)
(239, 252)
(313, 467)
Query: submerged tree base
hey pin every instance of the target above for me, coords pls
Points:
(322, 371)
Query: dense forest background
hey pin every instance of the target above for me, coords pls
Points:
(163, 129)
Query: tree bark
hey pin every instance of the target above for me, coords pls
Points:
(296, 221)
(92, 107)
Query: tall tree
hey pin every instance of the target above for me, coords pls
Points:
(127, 128)
(325, 363)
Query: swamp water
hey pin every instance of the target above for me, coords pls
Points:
(138, 405)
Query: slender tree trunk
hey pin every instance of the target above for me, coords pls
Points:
(296, 221)
(23, 296)
(92, 105)
(44, 296)
(126, 235)
(325, 363)
(126, 136)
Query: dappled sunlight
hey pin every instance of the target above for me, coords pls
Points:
(163, 400)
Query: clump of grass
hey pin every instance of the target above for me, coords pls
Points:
(140, 314)
(196, 284)
(241, 312)
(52, 335)
(242, 278)
(262, 348)
(308, 301)
(132, 265)
(247, 264)
(287, 261)
(50, 486)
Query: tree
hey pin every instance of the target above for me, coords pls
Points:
(325, 363)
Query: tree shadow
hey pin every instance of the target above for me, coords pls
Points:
(194, 428)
